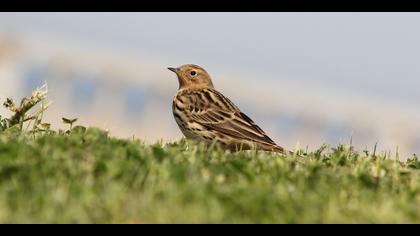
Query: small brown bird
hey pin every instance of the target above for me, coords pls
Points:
(202, 113)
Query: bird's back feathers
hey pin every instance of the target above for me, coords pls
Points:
(206, 113)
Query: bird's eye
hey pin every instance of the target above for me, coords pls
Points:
(193, 73)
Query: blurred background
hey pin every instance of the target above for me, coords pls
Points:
(307, 78)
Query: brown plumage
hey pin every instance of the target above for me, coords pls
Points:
(202, 113)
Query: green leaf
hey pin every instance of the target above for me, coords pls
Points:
(69, 121)
(44, 126)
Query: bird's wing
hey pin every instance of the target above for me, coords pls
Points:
(211, 109)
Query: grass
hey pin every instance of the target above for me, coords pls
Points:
(82, 175)
(85, 176)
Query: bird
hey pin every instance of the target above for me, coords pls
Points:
(206, 115)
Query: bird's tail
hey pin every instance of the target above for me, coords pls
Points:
(281, 150)
(272, 148)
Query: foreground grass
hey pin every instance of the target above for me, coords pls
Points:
(91, 178)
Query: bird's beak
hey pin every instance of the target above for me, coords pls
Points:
(175, 70)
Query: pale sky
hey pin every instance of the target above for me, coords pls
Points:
(369, 53)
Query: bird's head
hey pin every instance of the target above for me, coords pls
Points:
(192, 76)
